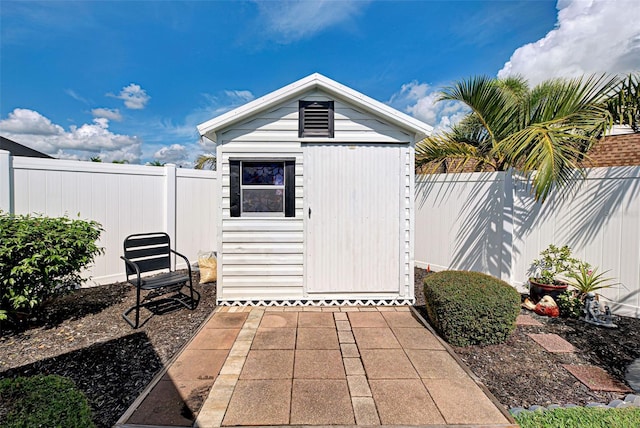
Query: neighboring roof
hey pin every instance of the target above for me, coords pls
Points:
(616, 150)
(315, 81)
(17, 149)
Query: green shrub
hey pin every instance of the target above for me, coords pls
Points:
(41, 257)
(570, 305)
(581, 417)
(43, 401)
(471, 308)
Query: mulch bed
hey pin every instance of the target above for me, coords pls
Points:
(520, 372)
(84, 338)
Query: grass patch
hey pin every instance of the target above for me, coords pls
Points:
(581, 417)
(43, 401)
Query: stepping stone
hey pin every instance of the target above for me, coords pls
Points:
(596, 378)
(527, 320)
(633, 375)
(552, 342)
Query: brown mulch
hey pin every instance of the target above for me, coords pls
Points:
(520, 372)
(83, 336)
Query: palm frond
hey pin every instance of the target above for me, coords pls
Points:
(433, 152)
(206, 162)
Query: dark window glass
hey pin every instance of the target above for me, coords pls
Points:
(263, 173)
(263, 200)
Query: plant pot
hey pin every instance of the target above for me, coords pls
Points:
(538, 290)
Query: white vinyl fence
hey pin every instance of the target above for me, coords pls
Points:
(125, 199)
(489, 222)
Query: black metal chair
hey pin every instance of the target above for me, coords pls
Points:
(151, 252)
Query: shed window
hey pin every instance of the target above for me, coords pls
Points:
(262, 188)
(315, 119)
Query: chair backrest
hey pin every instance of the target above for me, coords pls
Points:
(150, 251)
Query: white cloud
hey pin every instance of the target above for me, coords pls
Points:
(79, 142)
(111, 114)
(73, 94)
(591, 36)
(214, 105)
(421, 101)
(293, 20)
(135, 98)
(24, 121)
(239, 96)
(175, 153)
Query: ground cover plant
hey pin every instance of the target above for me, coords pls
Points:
(50, 401)
(581, 417)
(41, 257)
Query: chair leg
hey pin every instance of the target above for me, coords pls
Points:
(137, 308)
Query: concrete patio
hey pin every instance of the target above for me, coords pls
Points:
(316, 366)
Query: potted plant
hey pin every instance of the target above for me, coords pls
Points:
(549, 273)
(584, 280)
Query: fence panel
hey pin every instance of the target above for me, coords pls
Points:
(491, 223)
(125, 199)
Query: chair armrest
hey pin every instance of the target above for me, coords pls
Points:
(185, 259)
(135, 266)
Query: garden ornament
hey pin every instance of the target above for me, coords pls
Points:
(548, 307)
(594, 315)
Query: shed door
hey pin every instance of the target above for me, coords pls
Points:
(352, 211)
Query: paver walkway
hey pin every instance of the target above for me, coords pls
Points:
(317, 366)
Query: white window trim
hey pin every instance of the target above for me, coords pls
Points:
(280, 213)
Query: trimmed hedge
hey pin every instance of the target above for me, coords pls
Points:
(471, 308)
(44, 401)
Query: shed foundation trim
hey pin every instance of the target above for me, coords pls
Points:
(321, 302)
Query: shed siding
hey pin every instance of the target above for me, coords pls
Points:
(264, 258)
(281, 124)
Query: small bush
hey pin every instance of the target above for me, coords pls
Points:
(41, 257)
(43, 401)
(582, 417)
(471, 308)
(570, 305)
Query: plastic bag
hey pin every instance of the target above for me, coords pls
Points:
(208, 265)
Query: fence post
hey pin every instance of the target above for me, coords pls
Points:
(507, 270)
(6, 182)
(170, 202)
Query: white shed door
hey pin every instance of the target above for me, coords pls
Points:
(352, 211)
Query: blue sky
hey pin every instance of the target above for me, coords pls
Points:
(131, 80)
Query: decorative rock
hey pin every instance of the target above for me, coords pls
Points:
(615, 403)
(633, 375)
(595, 405)
(554, 406)
(515, 411)
(632, 398)
(536, 408)
(570, 406)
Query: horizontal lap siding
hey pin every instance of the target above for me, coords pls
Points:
(263, 258)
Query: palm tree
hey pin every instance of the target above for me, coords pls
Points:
(544, 132)
(206, 161)
(624, 105)
(155, 162)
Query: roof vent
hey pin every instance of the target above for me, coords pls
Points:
(316, 119)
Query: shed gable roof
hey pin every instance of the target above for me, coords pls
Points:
(315, 81)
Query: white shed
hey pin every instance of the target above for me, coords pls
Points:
(317, 198)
